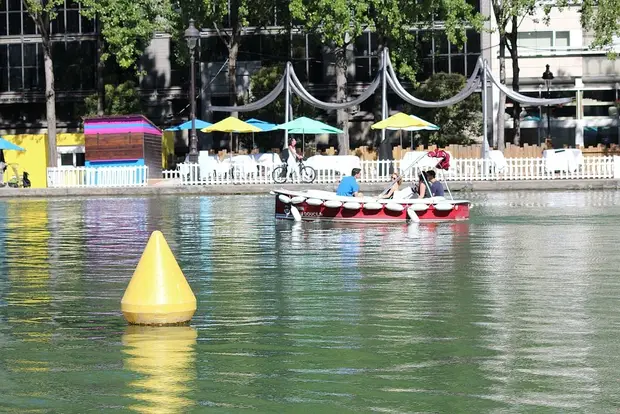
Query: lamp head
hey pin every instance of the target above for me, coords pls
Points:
(191, 35)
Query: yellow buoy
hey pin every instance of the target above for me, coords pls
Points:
(158, 293)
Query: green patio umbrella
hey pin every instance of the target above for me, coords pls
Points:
(304, 125)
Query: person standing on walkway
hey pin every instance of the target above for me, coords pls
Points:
(291, 162)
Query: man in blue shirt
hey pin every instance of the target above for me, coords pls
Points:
(348, 186)
(436, 186)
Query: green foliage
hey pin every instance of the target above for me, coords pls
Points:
(602, 17)
(392, 20)
(337, 21)
(123, 99)
(263, 82)
(127, 26)
(460, 123)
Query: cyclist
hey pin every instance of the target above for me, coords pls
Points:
(292, 165)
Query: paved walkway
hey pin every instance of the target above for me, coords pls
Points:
(457, 186)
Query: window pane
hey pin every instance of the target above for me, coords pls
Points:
(562, 39)
(458, 64)
(471, 63)
(362, 70)
(441, 43)
(3, 56)
(441, 64)
(4, 79)
(361, 45)
(80, 159)
(66, 159)
(88, 25)
(30, 54)
(3, 26)
(58, 24)
(30, 78)
(473, 42)
(15, 55)
(73, 21)
(15, 5)
(534, 40)
(15, 23)
(2, 5)
(15, 79)
(29, 26)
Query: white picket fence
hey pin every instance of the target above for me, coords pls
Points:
(601, 167)
(129, 176)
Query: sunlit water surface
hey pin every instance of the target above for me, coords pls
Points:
(516, 310)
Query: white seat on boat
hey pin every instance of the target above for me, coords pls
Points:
(419, 207)
(314, 202)
(352, 205)
(333, 204)
(444, 206)
(373, 205)
(403, 194)
(394, 207)
(298, 199)
(285, 199)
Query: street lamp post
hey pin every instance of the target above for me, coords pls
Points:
(548, 78)
(191, 36)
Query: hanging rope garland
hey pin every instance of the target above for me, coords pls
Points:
(471, 86)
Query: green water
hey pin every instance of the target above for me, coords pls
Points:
(517, 310)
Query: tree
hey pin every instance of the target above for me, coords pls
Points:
(43, 12)
(602, 17)
(338, 22)
(393, 20)
(509, 14)
(126, 28)
(460, 123)
(123, 99)
(230, 19)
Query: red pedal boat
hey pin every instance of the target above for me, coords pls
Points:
(324, 205)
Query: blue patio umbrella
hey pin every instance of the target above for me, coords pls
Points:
(263, 125)
(6, 145)
(188, 125)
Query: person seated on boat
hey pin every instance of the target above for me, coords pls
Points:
(436, 186)
(348, 186)
(422, 189)
(397, 181)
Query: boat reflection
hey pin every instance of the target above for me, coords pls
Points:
(164, 360)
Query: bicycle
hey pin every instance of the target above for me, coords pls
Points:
(280, 174)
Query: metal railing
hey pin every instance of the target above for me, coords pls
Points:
(127, 176)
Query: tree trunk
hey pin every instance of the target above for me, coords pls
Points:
(100, 80)
(501, 110)
(50, 102)
(514, 54)
(233, 52)
(342, 115)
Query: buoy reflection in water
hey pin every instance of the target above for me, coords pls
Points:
(163, 357)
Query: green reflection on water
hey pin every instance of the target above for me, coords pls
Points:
(512, 311)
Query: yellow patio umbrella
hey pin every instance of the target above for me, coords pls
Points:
(231, 124)
(400, 121)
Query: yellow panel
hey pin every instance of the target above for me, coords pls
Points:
(33, 160)
(69, 139)
(167, 148)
